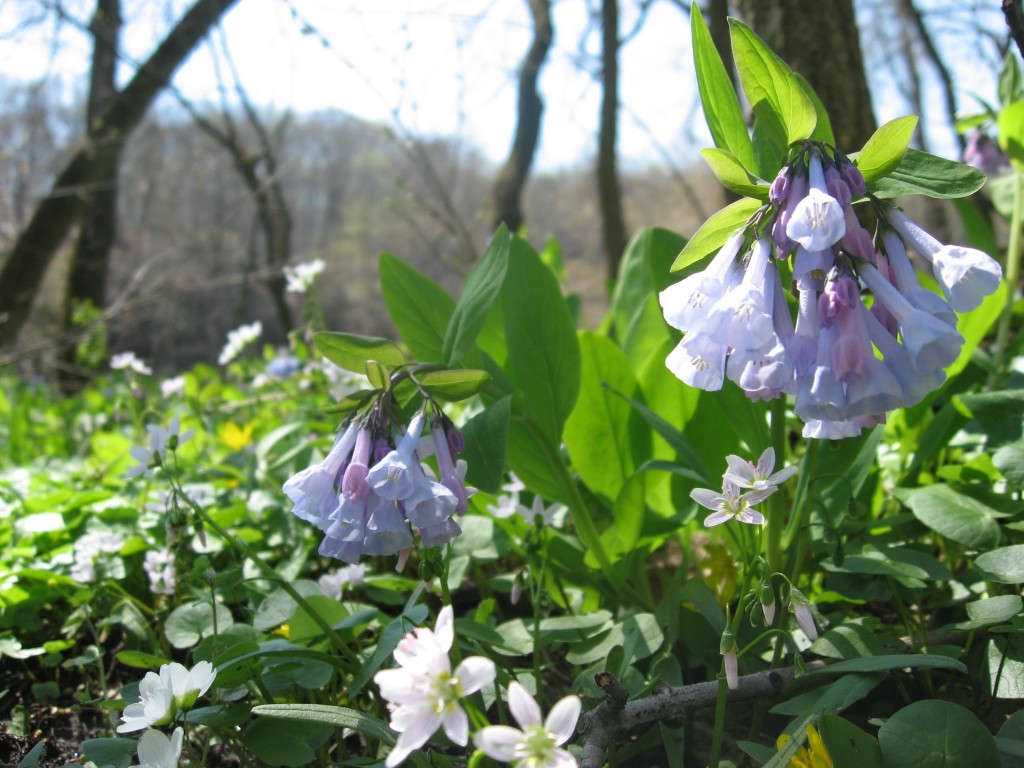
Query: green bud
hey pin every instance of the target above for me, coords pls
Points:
(728, 642)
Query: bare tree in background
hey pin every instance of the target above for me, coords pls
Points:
(258, 169)
(609, 191)
(824, 47)
(508, 186)
(56, 214)
(87, 273)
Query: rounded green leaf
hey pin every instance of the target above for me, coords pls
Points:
(936, 734)
(351, 351)
(884, 151)
(1004, 565)
(190, 623)
(952, 514)
(994, 610)
(455, 384)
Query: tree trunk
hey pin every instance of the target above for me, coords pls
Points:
(507, 193)
(613, 225)
(822, 45)
(87, 276)
(55, 215)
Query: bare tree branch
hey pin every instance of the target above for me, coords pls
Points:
(54, 217)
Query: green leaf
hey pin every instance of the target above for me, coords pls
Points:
(190, 623)
(994, 610)
(289, 744)
(336, 717)
(936, 734)
(1009, 459)
(378, 376)
(351, 352)
(1004, 565)
(486, 438)
(884, 151)
(890, 662)
(483, 286)
(954, 515)
(921, 173)
(1011, 736)
(715, 231)
(543, 351)
(1000, 414)
(110, 752)
(645, 269)
(717, 95)
(639, 636)
(605, 438)
(1010, 80)
(455, 384)
(531, 460)
(774, 93)
(823, 128)
(140, 659)
(1011, 132)
(730, 171)
(902, 563)
(848, 745)
(419, 308)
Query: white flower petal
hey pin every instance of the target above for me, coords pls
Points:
(474, 673)
(707, 498)
(456, 725)
(523, 706)
(444, 630)
(561, 721)
(498, 742)
(716, 518)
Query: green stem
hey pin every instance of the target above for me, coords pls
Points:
(776, 508)
(1012, 275)
(716, 740)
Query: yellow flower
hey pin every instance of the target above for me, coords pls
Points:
(285, 631)
(234, 437)
(813, 755)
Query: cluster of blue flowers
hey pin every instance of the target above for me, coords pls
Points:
(375, 508)
(846, 363)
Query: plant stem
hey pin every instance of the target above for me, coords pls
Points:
(1012, 275)
(776, 508)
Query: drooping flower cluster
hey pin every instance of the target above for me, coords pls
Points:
(369, 495)
(845, 363)
(423, 692)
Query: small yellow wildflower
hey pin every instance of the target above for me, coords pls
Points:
(285, 631)
(234, 437)
(812, 755)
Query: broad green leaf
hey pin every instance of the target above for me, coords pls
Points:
(629, 510)
(292, 744)
(645, 269)
(1010, 80)
(823, 128)
(774, 93)
(543, 351)
(1011, 737)
(954, 515)
(715, 231)
(351, 352)
(936, 734)
(453, 385)
(730, 171)
(994, 610)
(921, 173)
(1009, 459)
(902, 563)
(486, 438)
(884, 151)
(718, 95)
(639, 635)
(605, 438)
(141, 660)
(482, 287)
(1004, 565)
(190, 623)
(419, 308)
(530, 455)
(1011, 132)
(107, 752)
(278, 607)
(378, 375)
(1000, 414)
(848, 745)
(834, 697)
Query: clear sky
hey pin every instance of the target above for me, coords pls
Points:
(443, 67)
